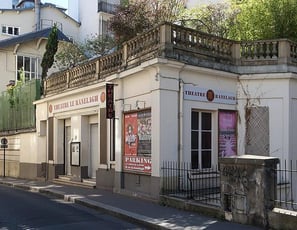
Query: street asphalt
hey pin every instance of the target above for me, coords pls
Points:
(145, 212)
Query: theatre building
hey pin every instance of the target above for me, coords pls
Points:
(170, 96)
(118, 118)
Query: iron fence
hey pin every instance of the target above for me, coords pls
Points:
(286, 186)
(180, 180)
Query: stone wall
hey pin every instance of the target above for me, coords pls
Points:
(248, 188)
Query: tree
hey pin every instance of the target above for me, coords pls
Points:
(139, 16)
(165, 10)
(69, 55)
(265, 19)
(216, 19)
(50, 51)
(129, 20)
(99, 45)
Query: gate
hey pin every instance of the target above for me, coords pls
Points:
(180, 180)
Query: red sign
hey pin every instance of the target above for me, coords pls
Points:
(131, 140)
(138, 164)
(137, 137)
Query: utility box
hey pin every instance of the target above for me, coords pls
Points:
(248, 188)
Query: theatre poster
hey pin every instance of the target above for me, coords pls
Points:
(227, 133)
(137, 142)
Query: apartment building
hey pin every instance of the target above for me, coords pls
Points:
(21, 22)
(93, 16)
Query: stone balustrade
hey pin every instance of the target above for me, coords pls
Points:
(175, 42)
(259, 50)
(200, 42)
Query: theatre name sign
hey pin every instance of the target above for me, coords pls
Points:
(195, 93)
(73, 104)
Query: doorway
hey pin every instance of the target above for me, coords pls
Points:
(67, 150)
(93, 159)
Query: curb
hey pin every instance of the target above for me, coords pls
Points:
(116, 212)
(111, 210)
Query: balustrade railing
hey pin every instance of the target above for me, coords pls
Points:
(81, 74)
(110, 64)
(57, 82)
(259, 50)
(293, 51)
(140, 46)
(201, 42)
(173, 41)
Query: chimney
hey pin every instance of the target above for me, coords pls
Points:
(37, 14)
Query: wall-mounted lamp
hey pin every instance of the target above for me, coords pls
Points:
(140, 104)
(157, 76)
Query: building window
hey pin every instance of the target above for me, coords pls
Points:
(201, 140)
(30, 65)
(10, 30)
(103, 6)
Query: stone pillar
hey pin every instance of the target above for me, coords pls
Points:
(236, 55)
(248, 188)
(284, 52)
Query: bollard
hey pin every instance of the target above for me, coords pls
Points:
(4, 145)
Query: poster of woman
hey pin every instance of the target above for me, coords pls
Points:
(137, 141)
(227, 133)
(131, 140)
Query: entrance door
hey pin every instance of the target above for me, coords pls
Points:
(67, 150)
(93, 162)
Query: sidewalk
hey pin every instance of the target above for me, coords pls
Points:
(144, 212)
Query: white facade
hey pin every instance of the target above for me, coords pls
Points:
(6, 4)
(276, 92)
(23, 20)
(93, 16)
(158, 88)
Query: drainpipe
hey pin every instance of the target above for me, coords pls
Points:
(180, 130)
(37, 15)
(180, 117)
(180, 124)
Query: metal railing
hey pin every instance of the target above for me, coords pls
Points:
(180, 180)
(286, 186)
(106, 7)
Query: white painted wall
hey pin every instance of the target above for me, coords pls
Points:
(89, 19)
(73, 9)
(86, 13)
(8, 59)
(157, 86)
(24, 19)
(69, 27)
(270, 90)
(5, 4)
(293, 118)
(209, 79)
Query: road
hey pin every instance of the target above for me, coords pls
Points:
(27, 210)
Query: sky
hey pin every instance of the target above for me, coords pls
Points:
(63, 3)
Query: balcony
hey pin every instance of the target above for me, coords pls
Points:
(106, 7)
(185, 45)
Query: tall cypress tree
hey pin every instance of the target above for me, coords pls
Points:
(50, 51)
